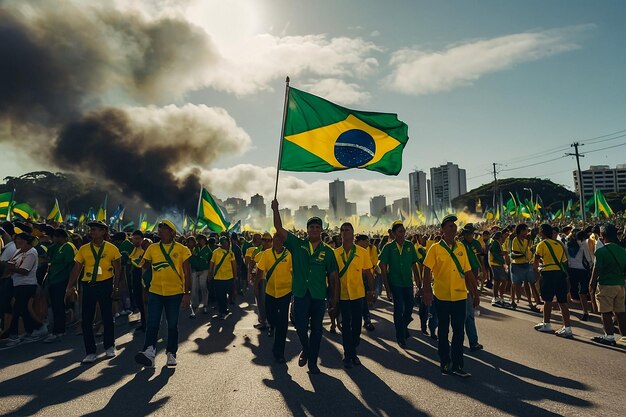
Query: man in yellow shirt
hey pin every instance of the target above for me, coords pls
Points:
(448, 267)
(170, 290)
(257, 281)
(275, 268)
(101, 261)
(223, 270)
(553, 259)
(364, 242)
(353, 261)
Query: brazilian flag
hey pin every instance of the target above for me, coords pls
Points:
(55, 213)
(6, 201)
(25, 211)
(321, 136)
(210, 213)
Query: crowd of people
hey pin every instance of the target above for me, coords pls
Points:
(49, 275)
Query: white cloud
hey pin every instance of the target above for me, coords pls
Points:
(338, 91)
(418, 71)
(245, 180)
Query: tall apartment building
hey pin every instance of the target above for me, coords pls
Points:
(378, 205)
(337, 199)
(257, 205)
(447, 182)
(418, 191)
(400, 208)
(601, 177)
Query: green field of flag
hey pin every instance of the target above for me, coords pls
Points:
(6, 199)
(55, 213)
(25, 211)
(321, 136)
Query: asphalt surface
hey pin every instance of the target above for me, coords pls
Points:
(225, 368)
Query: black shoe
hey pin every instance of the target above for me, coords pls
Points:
(356, 361)
(280, 359)
(302, 360)
(425, 331)
(445, 369)
(369, 327)
(476, 347)
(402, 343)
(333, 330)
(314, 369)
(513, 305)
(434, 336)
(585, 317)
(458, 371)
(347, 363)
(270, 332)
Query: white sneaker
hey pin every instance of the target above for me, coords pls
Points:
(30, 338)
(91, 358)
(564, 332)
(544, 328)
(13, 341)
(40, 332)
(494, 301)
(146, 358)
(110, 352)
(53, 337)
(116, 316)
(171, 359)
(192, 313)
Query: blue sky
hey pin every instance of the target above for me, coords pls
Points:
(477, 83)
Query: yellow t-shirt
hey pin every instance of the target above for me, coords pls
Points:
(521, 246)
(281, 280)
(226, 269)
(165, 280)
(549, 263)
(448, 284)
(373, 251)
(105, 267)
(352, 287)
(429, 244)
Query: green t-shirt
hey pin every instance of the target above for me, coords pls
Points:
(310, 269)
(399, 263)
(61, 263)
(471, 248)
(200, 258)
(610, 263)
(126, 248)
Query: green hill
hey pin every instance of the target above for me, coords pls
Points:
(552, 195)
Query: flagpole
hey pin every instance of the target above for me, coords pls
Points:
(195, 226)
(282, 135)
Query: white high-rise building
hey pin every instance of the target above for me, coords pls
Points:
(601, 177)
(447, 182)
(418, 191)
(378, 205)
(337, 199)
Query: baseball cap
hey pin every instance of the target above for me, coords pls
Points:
(448, 218)
(168, 223)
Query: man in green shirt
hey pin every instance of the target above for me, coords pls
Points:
(607, 284)
(199, 261)
(62, 253)
(398, 266)
(314, 266)
(473, 249)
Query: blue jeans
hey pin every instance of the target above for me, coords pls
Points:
(470, 324)
(307, 309)
(403, 302)
(156, 304)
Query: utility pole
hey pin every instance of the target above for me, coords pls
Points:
(495, 189)
(581, 196)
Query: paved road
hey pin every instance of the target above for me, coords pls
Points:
(225, 369)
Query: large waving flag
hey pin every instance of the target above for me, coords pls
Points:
(6, 200)
(322, 136)
(210, 213)
(55, 214)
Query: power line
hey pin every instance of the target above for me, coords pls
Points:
(603, 136)
(606, 147)
(535, 164)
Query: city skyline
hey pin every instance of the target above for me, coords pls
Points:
(512, 84)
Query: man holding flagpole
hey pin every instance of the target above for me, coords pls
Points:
(313, 263)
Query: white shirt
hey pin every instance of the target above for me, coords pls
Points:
(25, 260)
(576, 262)
(8, 252)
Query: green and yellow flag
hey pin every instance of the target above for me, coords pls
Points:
(6, 200)
(25, 211)
(210, 213)
(601, 205)
(55, 214)
(321, 136)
